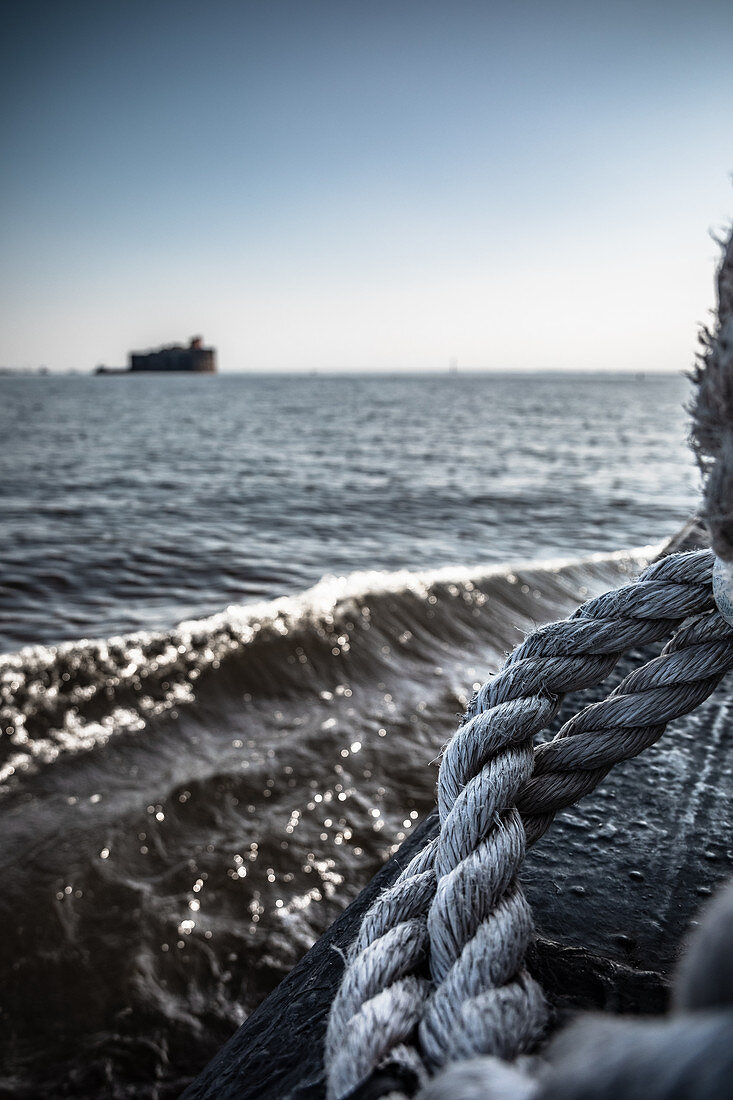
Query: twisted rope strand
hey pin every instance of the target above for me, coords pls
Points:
(475, 861)
(353, 1048)
(491, 752)
(631, 719)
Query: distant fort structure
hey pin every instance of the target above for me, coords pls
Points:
(175, 357)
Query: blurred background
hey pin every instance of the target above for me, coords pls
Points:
(392, 186)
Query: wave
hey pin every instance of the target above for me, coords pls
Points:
(185, 812)
(62, 700)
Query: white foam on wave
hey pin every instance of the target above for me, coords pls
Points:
(332, 590)
(71, 697)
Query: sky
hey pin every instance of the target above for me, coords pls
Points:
(364, 185)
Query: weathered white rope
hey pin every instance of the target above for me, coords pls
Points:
(480, 846)
(349, 1055)
(469, 892)
(480, 1079)
(629, 720)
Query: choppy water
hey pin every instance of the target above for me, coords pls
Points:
(185, 809)
(131, 503)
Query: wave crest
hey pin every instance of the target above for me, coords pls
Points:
(69, 698)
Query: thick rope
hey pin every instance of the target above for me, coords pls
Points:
(480, 846)
(480, 1079)
(353, 1048)
(629, 720)
(463, 916)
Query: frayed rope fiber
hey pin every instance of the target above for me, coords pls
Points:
(712, 414)
(458, 906)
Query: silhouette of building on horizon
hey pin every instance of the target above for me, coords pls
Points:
(173, 358)
(176, 357)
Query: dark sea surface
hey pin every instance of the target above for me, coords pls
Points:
(130, 503)
(252, 607)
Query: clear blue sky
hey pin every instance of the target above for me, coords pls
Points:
(364, 184)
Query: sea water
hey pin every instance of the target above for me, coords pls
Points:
(240, 615)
